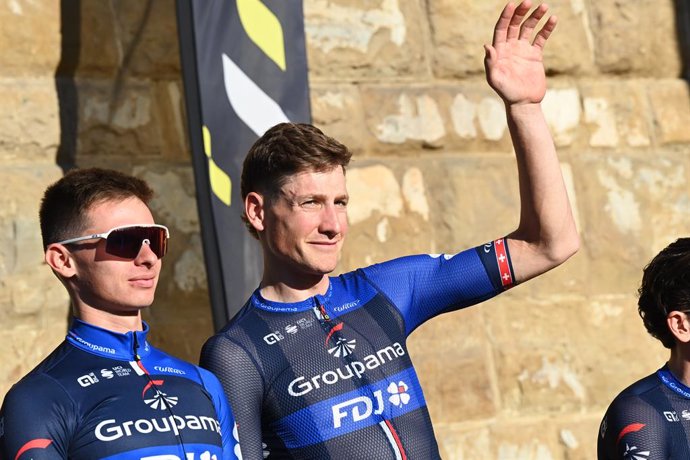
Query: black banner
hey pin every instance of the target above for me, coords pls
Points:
(245, 69)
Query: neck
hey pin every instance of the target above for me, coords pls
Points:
(284, 292)
(103, 319)
(679, 364)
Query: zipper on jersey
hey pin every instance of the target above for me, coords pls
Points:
(320, 311)
(135, 347)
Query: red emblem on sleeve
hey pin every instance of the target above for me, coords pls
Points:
(502, 261)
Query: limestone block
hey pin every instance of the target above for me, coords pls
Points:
(190, 271)
(570, 49)
(29, 120)
(389, 215)
(24, 348)
(373, 189)
(470, 201)
(455, 367)
(27, 299)
(337, 110)
(91, 39)
(169, 108)
(617, 113)
(550, 355)
(537, 369)
(22, 250)
(463, 441)
(118, 121)
(409, 118)
(174, 203)
(367, 40)
(29, 38)
(630, 209)
(518, 439)
(433, 118)
(577, 435)
(615, 326)
(459, 32)
(561, 106)
(184, 336)
(636, 37)
(481, 201)
(670, 100)
(147, 35)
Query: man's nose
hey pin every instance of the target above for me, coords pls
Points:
(146, 256)
(330, 220)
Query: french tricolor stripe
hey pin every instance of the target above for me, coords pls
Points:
(507, 278)
(394, 440)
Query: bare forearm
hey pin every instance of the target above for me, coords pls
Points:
(546, 235)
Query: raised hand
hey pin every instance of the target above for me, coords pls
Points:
(513, 62)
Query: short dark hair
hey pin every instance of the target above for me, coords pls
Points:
(665, 288)
(284, 150)
(65, 203)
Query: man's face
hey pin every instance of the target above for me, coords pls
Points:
(107, 282)
(306, 223)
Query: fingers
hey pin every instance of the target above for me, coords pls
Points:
(543, 34)
(501, 28)
(510, 25)
(531, 22)
(519, 14)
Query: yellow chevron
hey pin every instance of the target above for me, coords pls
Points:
(264, 29)
(221, 184)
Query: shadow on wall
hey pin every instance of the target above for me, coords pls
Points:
(683, 33)
(72, 13)
(70, 27)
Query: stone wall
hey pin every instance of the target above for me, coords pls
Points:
(524, 376)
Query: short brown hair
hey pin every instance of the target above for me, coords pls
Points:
(665, 288)
(284, 150)
(63, 209)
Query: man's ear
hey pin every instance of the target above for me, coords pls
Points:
(679, 325)
(254, 208)
(60, 260)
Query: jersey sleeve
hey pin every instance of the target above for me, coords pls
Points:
(244, 388)
(633, 429)
(424, 286)
(231, 447)
(35, 420)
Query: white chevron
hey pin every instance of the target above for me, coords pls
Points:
(254, 107)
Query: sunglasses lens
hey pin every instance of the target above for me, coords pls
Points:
(126, 242)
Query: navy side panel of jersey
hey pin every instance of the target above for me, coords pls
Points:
(424, 286)
(646, 421)
(92, 398)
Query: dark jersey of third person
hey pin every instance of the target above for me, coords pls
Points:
(106, 395)
(649, 420)
(331, 377)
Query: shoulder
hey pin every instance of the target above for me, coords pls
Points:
(638, 393)
(36, 395)
(641, 405)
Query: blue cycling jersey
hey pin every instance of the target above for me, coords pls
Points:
(105, 395)
(331, 377)
(648, 420)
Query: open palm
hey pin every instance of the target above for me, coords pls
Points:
(514, 66)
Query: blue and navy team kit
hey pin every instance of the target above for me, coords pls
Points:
(105, 395)
(331, 377)
(648, 420)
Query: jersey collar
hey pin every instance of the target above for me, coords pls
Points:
(671, 382)
(104, 342)
(291, 307)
